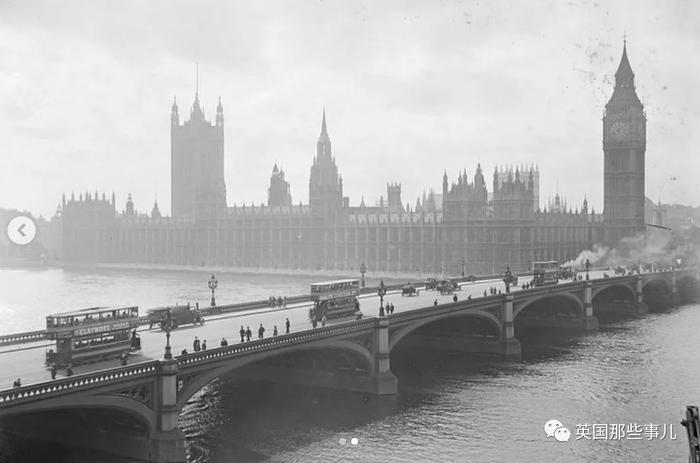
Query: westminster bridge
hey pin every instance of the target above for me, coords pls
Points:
(147, 396)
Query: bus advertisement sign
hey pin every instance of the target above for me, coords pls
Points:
(125, 325)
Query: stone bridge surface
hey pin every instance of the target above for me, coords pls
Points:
(155, 391)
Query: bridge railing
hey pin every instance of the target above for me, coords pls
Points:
(78, 382)
(19, 338)
(275, 342)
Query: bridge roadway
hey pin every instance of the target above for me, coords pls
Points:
(26, 361)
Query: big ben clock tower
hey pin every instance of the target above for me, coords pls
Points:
(624, 144)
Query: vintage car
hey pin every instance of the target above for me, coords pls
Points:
(431, 283)
(470, 278)
(409, 290)
(174, 316)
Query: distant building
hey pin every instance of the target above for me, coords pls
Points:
(462, 228)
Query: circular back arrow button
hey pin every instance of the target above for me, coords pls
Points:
(21, 230)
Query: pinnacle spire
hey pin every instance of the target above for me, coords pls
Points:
(624, 77)
(323, 122)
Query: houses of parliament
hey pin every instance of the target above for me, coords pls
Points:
(463, 228)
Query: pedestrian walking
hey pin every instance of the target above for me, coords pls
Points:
(195, 344)
(435, 302)
(224, 343)
(274, 332)
(242, 332)
(286, 324)
(248, 333)
(53, 371)
(204, 345)
(69, 370)
(323, 320)
(261, 332)
(314, 323)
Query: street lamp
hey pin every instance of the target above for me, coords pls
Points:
(168, 326)
(588, 266)
(507, 279)
(213, 283)
(464, 262)
(363, 270)
(381, 291)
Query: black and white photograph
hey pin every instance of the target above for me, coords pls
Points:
(365, 231)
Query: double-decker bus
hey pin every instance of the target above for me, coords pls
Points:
(334, 299)
(545, 273)
(90, 335)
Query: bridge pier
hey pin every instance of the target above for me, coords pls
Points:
(383, 381)
(167, 443)
(639, 303)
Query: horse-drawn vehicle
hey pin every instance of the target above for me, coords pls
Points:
(447, 287)
(409, 290)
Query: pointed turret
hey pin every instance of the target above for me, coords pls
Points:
(323, 122)
(624, 77)
(174, 115)
(155, 212)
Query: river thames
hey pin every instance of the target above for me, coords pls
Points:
(633, 374)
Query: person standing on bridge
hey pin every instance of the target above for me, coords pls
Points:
(248, 333)
(204, 345)
(287, 324)
(435, 302)
(274, 332)
(261, 332)
(242, 333)
(53, 371)
(224, 343)
(195, 344)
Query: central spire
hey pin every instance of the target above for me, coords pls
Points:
(323, 123)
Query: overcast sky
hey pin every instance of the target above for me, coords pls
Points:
(410, 88)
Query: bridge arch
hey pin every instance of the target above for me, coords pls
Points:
(620, 287)
(343, 346)
(493, 322)
(521, 306)
(657, 281)
(137, 410)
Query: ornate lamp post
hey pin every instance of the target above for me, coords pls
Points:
(381, 291)
(464, 263)
(507, 279)
(363, 270)
(168, 326)
(213, 283)
(588, 266)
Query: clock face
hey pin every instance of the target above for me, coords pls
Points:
(618, 131)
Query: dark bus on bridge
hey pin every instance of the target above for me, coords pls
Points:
(334, 299)
(91, 335)
(545, 273)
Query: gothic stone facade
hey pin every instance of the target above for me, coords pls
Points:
(461, 230)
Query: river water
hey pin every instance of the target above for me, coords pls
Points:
(638, 373)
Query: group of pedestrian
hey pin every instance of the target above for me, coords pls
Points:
(246, 333)
(389, 307)
(492, 291)
(278, 301)
(199, 346)
(17, 383)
